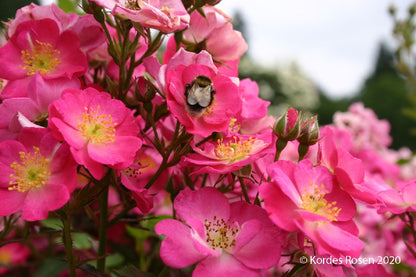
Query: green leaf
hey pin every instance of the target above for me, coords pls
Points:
(50, 267)
(130, 270)
(114, 260)
(53, 223)
(151, 222)
(79, 240)
(69, 6)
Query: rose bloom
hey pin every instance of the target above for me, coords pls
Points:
(226, 239)
(202, 99)
(13, 254)
(306, 198)
(100, 130)
(88, 30)
(213, 33)
(33, 108)
(38, 46)
(38, 174)
(167, 16)
(229, 153)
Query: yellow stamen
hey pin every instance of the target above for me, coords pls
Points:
(234, 150)
(316, 203)
(221, 234)
(31, 173)
(147, 165)
(40, 58)
(234, 126)
(5, 257)
(134, 5)
(210, 108)
(96, 127)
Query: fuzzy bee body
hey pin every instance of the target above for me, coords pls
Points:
(199, 94)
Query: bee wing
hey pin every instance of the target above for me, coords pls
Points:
(192, 96)
(205, 96)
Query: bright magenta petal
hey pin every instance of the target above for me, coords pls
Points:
(177, 249)
(225, 266)
(122, 151)
(39, 202)
(338, 241)
(267, 242)
(204, 204)
(11, 201)
(281, 209)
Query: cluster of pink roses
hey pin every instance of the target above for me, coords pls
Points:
(93, 119)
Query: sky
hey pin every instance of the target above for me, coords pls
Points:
(333, 41)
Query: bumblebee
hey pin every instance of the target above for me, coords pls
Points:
(199, 95)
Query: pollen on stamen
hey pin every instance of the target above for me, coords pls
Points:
(31, 172)
(97, 127)
(316, 203)
(234, 150)
(133, 5)
(42, 57)
(220, 233)
(234, 126)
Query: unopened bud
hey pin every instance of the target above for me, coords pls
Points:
(309, 134)
(288, 126)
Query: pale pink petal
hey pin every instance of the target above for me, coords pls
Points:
(409, 193)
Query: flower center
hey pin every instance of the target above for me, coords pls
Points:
(5, 257)
(134, 5)
(234, 150)
(40, 58)
(145, 165)
(316, 203)
(221, 233)
(166, 10)
(31, 172)
(96, 127)
(234, 126)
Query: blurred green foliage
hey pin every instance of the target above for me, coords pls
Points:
(386, 92)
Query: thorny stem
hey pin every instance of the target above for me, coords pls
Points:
(103, 230)
(166, 156)
(413, 231)
(244, 189)
(67, 239)
(280, 145)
